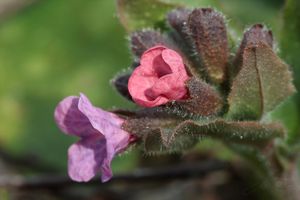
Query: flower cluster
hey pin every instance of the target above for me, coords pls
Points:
(187, 86)
(159, 79)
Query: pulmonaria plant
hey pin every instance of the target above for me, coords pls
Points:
(188, 81)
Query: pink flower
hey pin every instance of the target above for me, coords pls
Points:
(160, 78)
(101, 137)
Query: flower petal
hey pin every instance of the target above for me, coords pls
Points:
(160, 67)
(86, 158)
(138, 84)
(171, 86)
(174, 60)
(101, 120)
(106, 171)
(108, 124)
(101, 137)
(71, 120)
(149, 55)
(112, 150)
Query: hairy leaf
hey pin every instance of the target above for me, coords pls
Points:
(208, 30)
(158, 142)
(263, 82)
(153, 142)
(155, 135)
(248, 132)
(204, 100)
(140, 14)
(162, 135)
(256, 34)
(146, 125)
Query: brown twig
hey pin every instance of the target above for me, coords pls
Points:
(187, 171)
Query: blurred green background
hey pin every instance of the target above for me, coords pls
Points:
(50, 50)
(57, 48)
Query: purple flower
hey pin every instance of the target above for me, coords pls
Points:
(101, 137)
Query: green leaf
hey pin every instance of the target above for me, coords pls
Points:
(162, 141)
(248, 132)
(140, 14)
(156, 135)
(263, 82)
(160, 135)
(204, 99)
(153, 142)
(253, 36)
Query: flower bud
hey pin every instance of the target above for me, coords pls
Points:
(159, 79)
